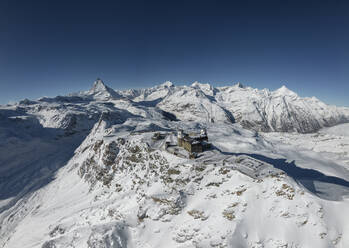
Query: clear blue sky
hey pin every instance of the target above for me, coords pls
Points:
(56, 47)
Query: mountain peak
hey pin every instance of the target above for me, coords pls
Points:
(102, 92)
(98, 86)
(167, 84)
(283, 90)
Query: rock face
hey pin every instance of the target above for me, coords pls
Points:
(100, 91)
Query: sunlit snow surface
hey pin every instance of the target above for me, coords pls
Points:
(339, 130)
(85, 172)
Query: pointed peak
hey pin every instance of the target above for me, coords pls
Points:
(102, 92)
(98, 85)
(283, 90)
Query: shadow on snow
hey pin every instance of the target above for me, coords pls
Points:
(30, 154)
(324, 186)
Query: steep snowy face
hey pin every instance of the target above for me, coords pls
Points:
(101, 92)
(206, 88)
(281, 110)
(284, 91)
(192, 104)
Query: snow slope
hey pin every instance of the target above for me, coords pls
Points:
(339, 130)
(83, 171)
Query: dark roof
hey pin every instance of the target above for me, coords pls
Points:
(191, 140)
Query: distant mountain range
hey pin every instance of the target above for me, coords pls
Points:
(281, 110)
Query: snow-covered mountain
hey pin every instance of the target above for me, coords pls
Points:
(83, 170)
(281, 110)
(100, 91)
(261, 110)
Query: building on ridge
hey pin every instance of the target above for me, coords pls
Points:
(193, 143)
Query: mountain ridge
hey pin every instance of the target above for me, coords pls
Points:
(281, 110)
(255, 109)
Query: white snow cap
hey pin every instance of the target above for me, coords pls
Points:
(204, 87)
(283, 90)
(167, 84)
(197, 84)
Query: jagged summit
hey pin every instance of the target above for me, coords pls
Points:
(100, 91)
(98, 85)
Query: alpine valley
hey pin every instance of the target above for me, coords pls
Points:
(103, 168)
